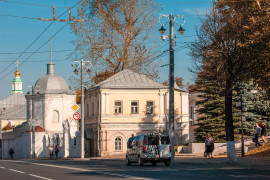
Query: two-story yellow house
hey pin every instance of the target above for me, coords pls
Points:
(130, 103)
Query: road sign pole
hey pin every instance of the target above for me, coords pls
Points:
(82, 105)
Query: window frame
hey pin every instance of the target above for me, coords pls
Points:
(117, 145)
(134, 107)
(118, 107)
(58, 116)
(153, 107)
(93, 109)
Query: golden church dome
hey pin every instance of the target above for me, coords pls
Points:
(17, 73)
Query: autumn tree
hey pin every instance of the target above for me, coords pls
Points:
(116, 35)
(221, 54)
(177, 80)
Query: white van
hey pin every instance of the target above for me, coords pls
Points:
(153, 148)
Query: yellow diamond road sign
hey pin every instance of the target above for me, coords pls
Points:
(75, 107)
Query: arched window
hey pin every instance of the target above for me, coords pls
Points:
(55, 116)
(118, 144)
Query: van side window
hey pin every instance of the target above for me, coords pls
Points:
(135, 141)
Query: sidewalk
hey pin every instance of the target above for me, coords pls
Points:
(246, 162)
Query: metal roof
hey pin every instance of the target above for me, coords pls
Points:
(52, 84)
(129, 79)
(13, 107)
(15, 99)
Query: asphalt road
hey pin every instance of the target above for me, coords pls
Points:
(116, 169)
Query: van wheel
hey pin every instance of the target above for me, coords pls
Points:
(154, 163)
(128, 163)
(140, 162)
(167, 163)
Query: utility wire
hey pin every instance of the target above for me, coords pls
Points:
(35, 41)
(31, 4)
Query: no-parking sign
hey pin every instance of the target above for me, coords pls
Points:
(76, 116)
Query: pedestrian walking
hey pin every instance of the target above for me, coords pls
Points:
(264, 133)
(51, 151)
(257, 133)
(11, 152)
(130, 141)
(56, 150)
(209, 146)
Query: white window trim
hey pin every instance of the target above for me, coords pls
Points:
(134, 108)
(118, 109)
(153, 107)
(120, 142)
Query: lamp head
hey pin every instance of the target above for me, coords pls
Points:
(89, 71)
(181, 30)
(163, 37)
(162, 30)
(75, 71)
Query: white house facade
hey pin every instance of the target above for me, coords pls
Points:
(130, 103)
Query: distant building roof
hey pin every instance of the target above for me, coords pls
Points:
(129, 79)
(13, 107)
(14, 99)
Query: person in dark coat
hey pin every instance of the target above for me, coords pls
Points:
(56, 150)
(11, 152)
(209, 146)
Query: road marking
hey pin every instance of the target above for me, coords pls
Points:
(89, 170)
(2, 167)
(39, 177)
(16, 171)
(98, 172)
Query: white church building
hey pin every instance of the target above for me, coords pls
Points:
(49, 121)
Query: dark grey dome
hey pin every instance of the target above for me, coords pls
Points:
(51, 83)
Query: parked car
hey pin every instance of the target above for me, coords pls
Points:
(153, 148)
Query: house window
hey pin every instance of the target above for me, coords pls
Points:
(117, 107)
(134, 107)
(118, 144)
(57, 141)
(192, 112)
(149, 107)
(87, 110)
(98, 107)
(93, 109)
(74, 141)
(55, 116)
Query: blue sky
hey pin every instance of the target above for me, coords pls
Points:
(17, 34)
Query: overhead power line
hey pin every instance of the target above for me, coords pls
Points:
(33, 43)
(30, 4)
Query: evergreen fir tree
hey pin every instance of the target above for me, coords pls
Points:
(255, 103)
(212, 115)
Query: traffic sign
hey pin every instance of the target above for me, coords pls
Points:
(75, 107)
(76, 116)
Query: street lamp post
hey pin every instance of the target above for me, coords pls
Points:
(82, 64)
(243, 109)
(162, 30)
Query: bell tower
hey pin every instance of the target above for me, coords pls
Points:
(17, 82)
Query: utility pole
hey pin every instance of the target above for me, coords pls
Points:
(82, 116)
(172, 20)
(171, 97)
(1, 135)
(33, 127)
(82, 64)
